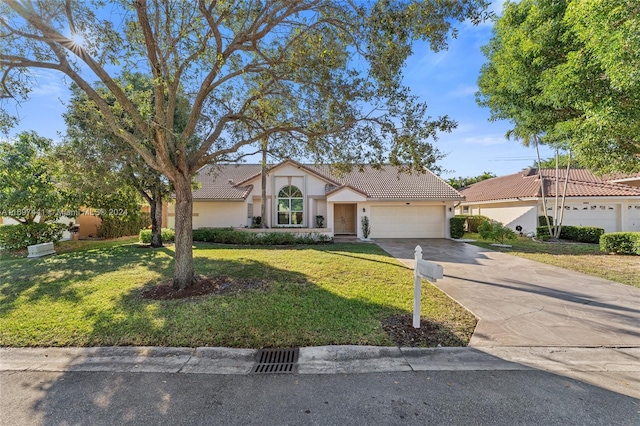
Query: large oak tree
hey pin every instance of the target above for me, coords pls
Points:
(329, 73)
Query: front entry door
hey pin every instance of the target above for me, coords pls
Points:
(344, 217)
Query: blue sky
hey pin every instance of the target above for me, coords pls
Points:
(445, 80)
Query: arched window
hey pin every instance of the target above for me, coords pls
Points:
(290, 206)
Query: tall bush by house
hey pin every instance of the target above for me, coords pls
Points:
(457, 225)
(474, 222)
(123, 225)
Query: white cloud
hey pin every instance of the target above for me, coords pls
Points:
(485, 140)
(462, 91)
(49, 84)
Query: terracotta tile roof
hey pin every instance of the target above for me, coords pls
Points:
(526, 184)
(389, 184)
(230, 182)
(218, 182)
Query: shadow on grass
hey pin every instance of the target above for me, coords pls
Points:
(290, 310)
(54, 277)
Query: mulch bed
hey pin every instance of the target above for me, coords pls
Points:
(202, 287)
(430, 334)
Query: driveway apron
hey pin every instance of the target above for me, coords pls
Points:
(520, 302)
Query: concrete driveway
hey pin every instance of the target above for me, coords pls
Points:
(520, 302)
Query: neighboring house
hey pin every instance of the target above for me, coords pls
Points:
(611, 203)
(398, 205)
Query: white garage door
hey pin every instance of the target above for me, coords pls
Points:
(601, 215)
(407, 221)
(633, 218)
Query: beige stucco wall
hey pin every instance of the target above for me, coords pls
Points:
(312, 187)
(512, 214)
(620, 215)
(214, 214)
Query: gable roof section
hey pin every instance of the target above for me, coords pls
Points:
(295, 164)
(526, 184)
(219, 182)
(231, 182)
(388, 184)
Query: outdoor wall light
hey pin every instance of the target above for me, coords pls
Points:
(364, 210)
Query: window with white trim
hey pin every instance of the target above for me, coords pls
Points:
(290, 206)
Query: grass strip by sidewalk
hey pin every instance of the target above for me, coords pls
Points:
(585, 258)
(89, 295)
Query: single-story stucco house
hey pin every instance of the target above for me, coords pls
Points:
(612, 203)
(398, 205)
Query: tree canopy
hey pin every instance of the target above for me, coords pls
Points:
(564, 70)
(319, 78)
(462, 182)
(31, 188)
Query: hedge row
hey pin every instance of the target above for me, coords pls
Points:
(457, 226)
(17, 237)
(121, 226)
(168, 235)
(231, 236)
(581, 234)
(621, 243)
(543, 222)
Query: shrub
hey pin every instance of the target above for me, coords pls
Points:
(256, 222)
(581, 234)
(121, 226)
(543, 222)
(457, 226)
(168, 235)
(474, 222)
(231, 236)
(366, 227)
(16, 237)
(492, 230)
(621, 243)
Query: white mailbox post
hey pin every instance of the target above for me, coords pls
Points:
(427, 270)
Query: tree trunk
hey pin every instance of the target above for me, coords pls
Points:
(156, 217)
(544, 199)
(263, 202)
(564, 193)
(556, 214)
(183, 275)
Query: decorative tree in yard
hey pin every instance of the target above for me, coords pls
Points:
(31, 188)
(102, 162)
(330, 72)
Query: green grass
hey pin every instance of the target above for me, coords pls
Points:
(585, 258)
(317, 295)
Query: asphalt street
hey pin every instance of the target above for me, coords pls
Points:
(397, 398)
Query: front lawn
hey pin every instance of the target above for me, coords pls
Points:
(90, 295)
(585, 258)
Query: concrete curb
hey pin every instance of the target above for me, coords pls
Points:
(322, 359)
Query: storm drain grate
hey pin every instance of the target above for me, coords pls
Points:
(277, 361)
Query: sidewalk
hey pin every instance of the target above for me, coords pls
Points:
(617, 369)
